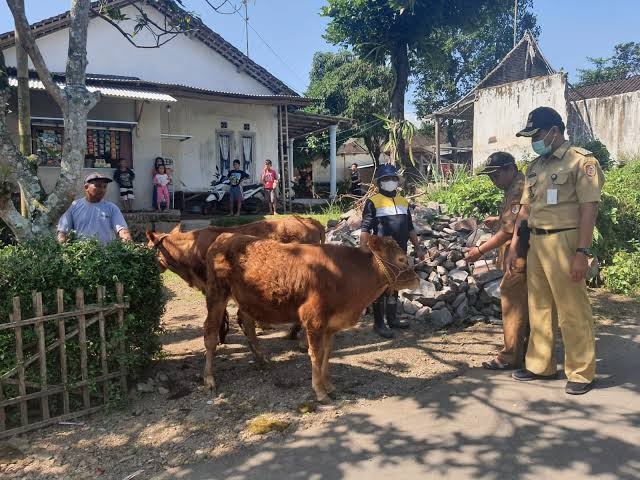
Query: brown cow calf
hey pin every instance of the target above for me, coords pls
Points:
(184, 254)
(323, 287)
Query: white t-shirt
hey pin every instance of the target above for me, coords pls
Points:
(100, 220)
(162, 179)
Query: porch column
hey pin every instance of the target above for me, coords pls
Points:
(290, 165)
(437, 151)
(332, 160)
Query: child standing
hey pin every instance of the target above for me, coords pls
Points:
(161, 179)
(124, 177)
(269, 179)
(236, 176)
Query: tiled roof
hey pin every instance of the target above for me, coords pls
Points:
(523, 61)
(606, 89)
(202, 33)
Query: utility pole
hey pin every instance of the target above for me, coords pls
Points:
(246, 24)
(515, 23)
(24, 109)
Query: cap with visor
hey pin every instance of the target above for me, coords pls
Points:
(542, 118)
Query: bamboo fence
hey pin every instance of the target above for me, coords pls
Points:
(31, 401)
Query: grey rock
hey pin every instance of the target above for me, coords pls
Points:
(409, 307)
(493, 290)
(473, 289)
(162, 377)
(145, 387)
(459, 299)
(444, 279)
(462, 265)
(423, 313)
(495, 321)
(441, 270)
(458, 275)
(456, 256)
(462, 308)
(449, 265)
(439, 305)
(332, 223)
(441, 318)
(163, 390)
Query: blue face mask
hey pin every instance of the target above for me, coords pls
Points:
(540, 147)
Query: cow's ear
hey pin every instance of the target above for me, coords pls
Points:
(151, 236)
(177, 228)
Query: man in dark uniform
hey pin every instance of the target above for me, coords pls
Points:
(387, 214)
(356, 188)
(503, 173)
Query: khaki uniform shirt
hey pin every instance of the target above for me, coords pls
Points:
(556, 186)
(509, 211)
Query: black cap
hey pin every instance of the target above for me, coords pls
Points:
(97, 177)
(542, 118)
(495, 162)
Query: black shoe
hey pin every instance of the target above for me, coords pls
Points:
(378, 320)
(576, 388)
(391, 311)
(524, 375)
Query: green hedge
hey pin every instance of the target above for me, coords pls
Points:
(623, 275)
(44, 265)
(467, 195)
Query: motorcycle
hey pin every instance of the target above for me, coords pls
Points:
(253, 199)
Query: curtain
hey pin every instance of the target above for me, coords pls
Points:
(247, 147)
(224, 141)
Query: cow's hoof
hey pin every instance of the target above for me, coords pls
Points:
(324, 400)
(329, 388)
(210, 385)
(264, 363)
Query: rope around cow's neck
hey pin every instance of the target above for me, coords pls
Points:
(391, 276)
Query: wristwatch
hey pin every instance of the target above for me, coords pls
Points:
(586, 251)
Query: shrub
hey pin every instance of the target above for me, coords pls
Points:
(599, 151)
(466, 195)
(44, 265)
(619, 213)
(623, 275)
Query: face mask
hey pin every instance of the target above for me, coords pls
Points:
(389, 185)
(540, 147)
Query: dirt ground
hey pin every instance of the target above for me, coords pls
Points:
(178, 422)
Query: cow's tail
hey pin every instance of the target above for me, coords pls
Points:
(224, 328)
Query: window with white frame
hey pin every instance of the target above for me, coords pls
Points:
(224, 151)
(248, 155)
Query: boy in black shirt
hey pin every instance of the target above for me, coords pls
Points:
(236, 176)
(124, 177)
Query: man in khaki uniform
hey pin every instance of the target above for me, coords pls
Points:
(560, 201)
(503, 172)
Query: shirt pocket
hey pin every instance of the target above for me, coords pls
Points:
(562, 182)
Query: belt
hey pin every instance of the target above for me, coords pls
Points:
(542, 231)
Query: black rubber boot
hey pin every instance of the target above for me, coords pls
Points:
(378, 319)
(392, 313)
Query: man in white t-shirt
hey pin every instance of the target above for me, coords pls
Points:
(92, 216)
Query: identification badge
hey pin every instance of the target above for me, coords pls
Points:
(552, 196)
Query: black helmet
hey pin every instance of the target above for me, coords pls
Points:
(386, 170)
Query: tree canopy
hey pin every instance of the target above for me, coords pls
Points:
(461, 59)
(354, 88)
(624, 63)
(393, 30)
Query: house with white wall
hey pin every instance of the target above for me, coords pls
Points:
(197, 100)
(498, 106)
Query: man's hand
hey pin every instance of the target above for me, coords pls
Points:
(125, 235)
(510, 261)
(473, 254)
(579, 267)
(62, 237)
(491, 222)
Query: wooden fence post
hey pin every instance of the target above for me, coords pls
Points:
(62, 334)
(36, 298)
(82, 340)
(123, 348)
(103, 343)
(22, 387)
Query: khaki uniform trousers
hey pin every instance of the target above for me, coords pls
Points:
(552, 291)
(515, 317)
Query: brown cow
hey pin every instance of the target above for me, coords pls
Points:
(184, 254)
(323, 287)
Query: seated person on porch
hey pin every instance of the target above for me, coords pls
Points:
(92, 216)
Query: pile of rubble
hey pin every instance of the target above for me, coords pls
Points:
(450, 291)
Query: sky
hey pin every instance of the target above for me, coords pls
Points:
(571, 31)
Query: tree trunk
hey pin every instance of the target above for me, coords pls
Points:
(400, 65)
(24, 110)
(75, 101)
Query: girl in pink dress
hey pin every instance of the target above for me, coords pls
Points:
(161, 179)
